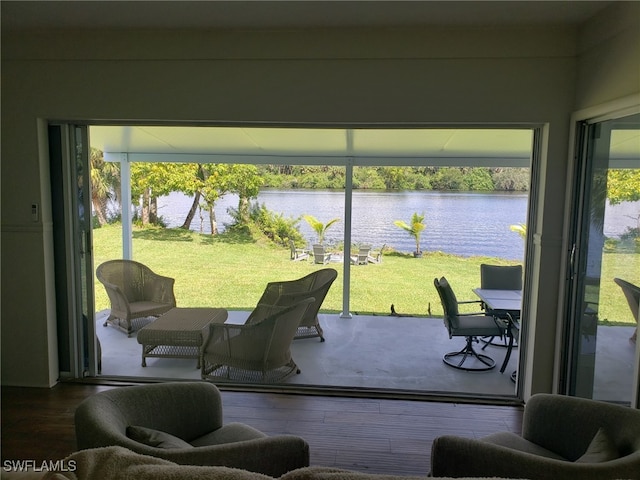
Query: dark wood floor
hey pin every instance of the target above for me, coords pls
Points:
(369, 435)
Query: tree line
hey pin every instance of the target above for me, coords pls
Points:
(206, 183)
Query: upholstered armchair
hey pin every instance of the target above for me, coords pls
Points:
(562, 438)
(182, 422)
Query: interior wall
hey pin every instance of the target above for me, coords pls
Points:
(372, 76)
(609, 56)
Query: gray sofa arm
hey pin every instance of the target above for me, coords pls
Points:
(566, 425)
(273, 456)
(459, 457)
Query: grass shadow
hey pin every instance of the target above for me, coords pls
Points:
(164, 235)
(231, 237)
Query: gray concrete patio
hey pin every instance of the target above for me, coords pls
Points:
(380, 352)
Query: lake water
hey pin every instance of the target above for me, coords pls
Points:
(459, 223)
(464, 224)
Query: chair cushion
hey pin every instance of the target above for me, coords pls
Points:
(516, 442)
(155, 438)
(231, 432)
(601, 449)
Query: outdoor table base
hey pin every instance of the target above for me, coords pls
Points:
(179, 333)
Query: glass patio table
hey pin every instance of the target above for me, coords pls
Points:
(509, 302)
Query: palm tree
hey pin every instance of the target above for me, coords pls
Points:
(319, 227)
(105, 183)
(520, 229)
(414, 229)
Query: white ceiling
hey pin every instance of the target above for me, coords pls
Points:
(37, 15)
(326, 146)
(331, 146)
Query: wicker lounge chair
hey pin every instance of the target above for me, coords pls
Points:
(315, 285)
(632, 294)
(135, 292)
(258, 351)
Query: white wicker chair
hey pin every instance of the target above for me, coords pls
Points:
(632, 294)
(258, 351)
(288, 292)
(135, 292)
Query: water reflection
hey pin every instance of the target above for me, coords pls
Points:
(459, 223)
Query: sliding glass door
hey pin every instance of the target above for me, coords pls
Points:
(605, 262)
(78, 349)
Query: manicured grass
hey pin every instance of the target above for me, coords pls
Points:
(231, 271)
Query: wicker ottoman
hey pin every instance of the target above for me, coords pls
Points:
(179, 333)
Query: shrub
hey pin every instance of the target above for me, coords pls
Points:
(274, 226)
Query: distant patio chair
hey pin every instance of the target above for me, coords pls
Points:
(258, 351)
(320, 255)
(135, 292)
(632, 294)
(500, 277)
(315, 285)
(298, 253)
(362, 257)
(468, 325)
(376, 257)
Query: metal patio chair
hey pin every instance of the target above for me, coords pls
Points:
(468, 325)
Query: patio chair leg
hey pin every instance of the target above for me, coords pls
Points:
(466, 352)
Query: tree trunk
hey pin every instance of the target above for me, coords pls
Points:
(100, 208)
(192, 212)
(243, 210)
(153, 210)
(145, 207)
(212, 220)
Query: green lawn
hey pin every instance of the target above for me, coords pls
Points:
(231, 271)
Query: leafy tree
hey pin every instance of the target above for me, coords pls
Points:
(449, 178)
(477, 179)
(511, 179)
(414, 228)
(215, 183)
(393, 177)
(246, 182)
(367, 178)
(319, 227)
(150, 180)
(623, 185)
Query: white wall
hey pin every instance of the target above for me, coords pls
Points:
(369, 76)
(609, 56)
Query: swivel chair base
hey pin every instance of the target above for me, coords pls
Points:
(457, 359)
